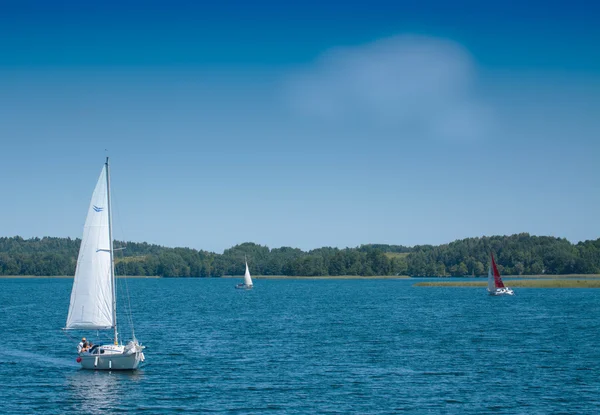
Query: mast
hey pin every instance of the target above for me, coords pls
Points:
(112, 261)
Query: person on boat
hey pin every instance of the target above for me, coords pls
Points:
(82, 346)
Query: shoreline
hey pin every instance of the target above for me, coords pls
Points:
(257, 277)
(320, 277)
(30, 277)
(548, 276)
(563, 280)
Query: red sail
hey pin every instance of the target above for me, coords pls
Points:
(497, 279)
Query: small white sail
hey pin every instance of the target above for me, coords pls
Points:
(247, 279)
(92, 294)
(491, 284)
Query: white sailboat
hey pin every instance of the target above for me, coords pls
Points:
(495, 284)
(93, 303)
(247, 284)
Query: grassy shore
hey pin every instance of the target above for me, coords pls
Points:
(535, 283)
(559, 276)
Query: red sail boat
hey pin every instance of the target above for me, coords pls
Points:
(495, 284)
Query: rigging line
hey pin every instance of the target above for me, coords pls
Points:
(128, 312)
(128, 309)
(68, 335)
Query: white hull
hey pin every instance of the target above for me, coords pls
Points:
(502, 291)
(109, 357)
(244, 287)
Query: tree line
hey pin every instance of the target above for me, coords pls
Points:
(520, 254)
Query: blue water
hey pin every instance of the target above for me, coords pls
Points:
(311, 346)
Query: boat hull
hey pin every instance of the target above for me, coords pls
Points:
(501, 291)
(244, 287)
(113, 357)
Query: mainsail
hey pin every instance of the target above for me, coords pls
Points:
(491, 284)
(92, 295)
(497, 279)
(247, 279)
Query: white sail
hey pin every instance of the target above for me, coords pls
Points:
(491, 284)
(92, 295)
(247, 279)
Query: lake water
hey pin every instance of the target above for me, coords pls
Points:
(310, 346)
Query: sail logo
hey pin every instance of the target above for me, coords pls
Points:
(97, 209)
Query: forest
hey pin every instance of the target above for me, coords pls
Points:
(520, 254)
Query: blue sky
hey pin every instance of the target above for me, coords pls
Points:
(303, 124)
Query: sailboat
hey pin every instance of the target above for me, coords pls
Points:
(247, 284)
(93, 303)
(495, 284)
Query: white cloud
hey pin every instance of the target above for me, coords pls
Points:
(414, 85)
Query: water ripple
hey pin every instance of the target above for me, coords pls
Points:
(297, 347)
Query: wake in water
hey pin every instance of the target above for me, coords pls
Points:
(12, 307)
(29, 358)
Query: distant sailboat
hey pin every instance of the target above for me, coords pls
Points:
(495, 284)
(93, 303)
(247, 284)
